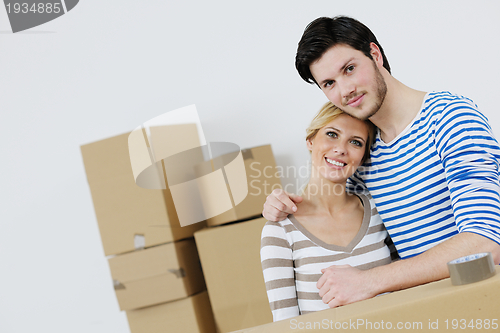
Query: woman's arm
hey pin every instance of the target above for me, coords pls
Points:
(277, 267)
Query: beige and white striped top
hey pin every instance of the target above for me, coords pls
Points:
(292, 259)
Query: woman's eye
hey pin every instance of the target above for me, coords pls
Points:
(331, 134)
(349, 68)
(357, 143)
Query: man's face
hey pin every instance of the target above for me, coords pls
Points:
(350, 80)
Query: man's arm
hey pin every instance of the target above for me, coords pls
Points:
(344, 285)
(470, 156)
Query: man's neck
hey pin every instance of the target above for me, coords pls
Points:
(401, 105)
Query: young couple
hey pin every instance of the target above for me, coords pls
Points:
(432, 172)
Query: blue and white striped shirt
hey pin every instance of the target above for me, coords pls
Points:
(440, 176)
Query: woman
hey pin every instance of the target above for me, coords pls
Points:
(331, 226)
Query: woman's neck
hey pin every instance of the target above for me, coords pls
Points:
(322, 196)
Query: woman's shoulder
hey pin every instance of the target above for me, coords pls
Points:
(365, 198)
(277, 234)
(277, 228)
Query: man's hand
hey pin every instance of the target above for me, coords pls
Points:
(343, 284)
(340, 285)
(279, 204)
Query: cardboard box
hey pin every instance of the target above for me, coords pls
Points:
(131, 217)
(262, 178)
(230, 257)
(156, 275)
(434, 307)
(189, 315)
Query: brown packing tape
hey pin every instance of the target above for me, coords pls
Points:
(472, 268)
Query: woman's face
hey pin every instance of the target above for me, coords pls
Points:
(338, 148)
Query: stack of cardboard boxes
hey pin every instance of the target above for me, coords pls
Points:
(154, 262)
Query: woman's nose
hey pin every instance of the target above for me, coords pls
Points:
(340, 148)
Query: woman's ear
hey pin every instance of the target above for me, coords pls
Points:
(309, 144)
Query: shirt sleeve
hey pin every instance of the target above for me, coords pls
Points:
(470, 155)
(279, 276)
(355, 184)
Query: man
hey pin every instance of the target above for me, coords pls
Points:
(433, 172)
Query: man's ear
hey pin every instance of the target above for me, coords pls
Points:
(376, 55)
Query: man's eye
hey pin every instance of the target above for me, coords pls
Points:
(328, 84)
(349, 68)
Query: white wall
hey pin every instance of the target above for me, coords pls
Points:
(108, 66)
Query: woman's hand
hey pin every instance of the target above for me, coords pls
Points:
(279, 204)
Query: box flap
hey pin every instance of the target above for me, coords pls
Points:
(428, 307)
(158, 274)
(261, 176)
(146, 263)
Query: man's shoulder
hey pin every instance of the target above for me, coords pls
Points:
(444, 107)
(445, 95)
(444, 101)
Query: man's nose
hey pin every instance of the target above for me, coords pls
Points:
(347, 90)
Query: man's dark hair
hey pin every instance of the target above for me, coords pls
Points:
(325, 32)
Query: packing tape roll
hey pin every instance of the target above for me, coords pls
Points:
(472, 268)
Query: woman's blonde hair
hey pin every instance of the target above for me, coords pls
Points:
(330, 112)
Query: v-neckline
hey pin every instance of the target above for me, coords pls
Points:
(353, 243)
